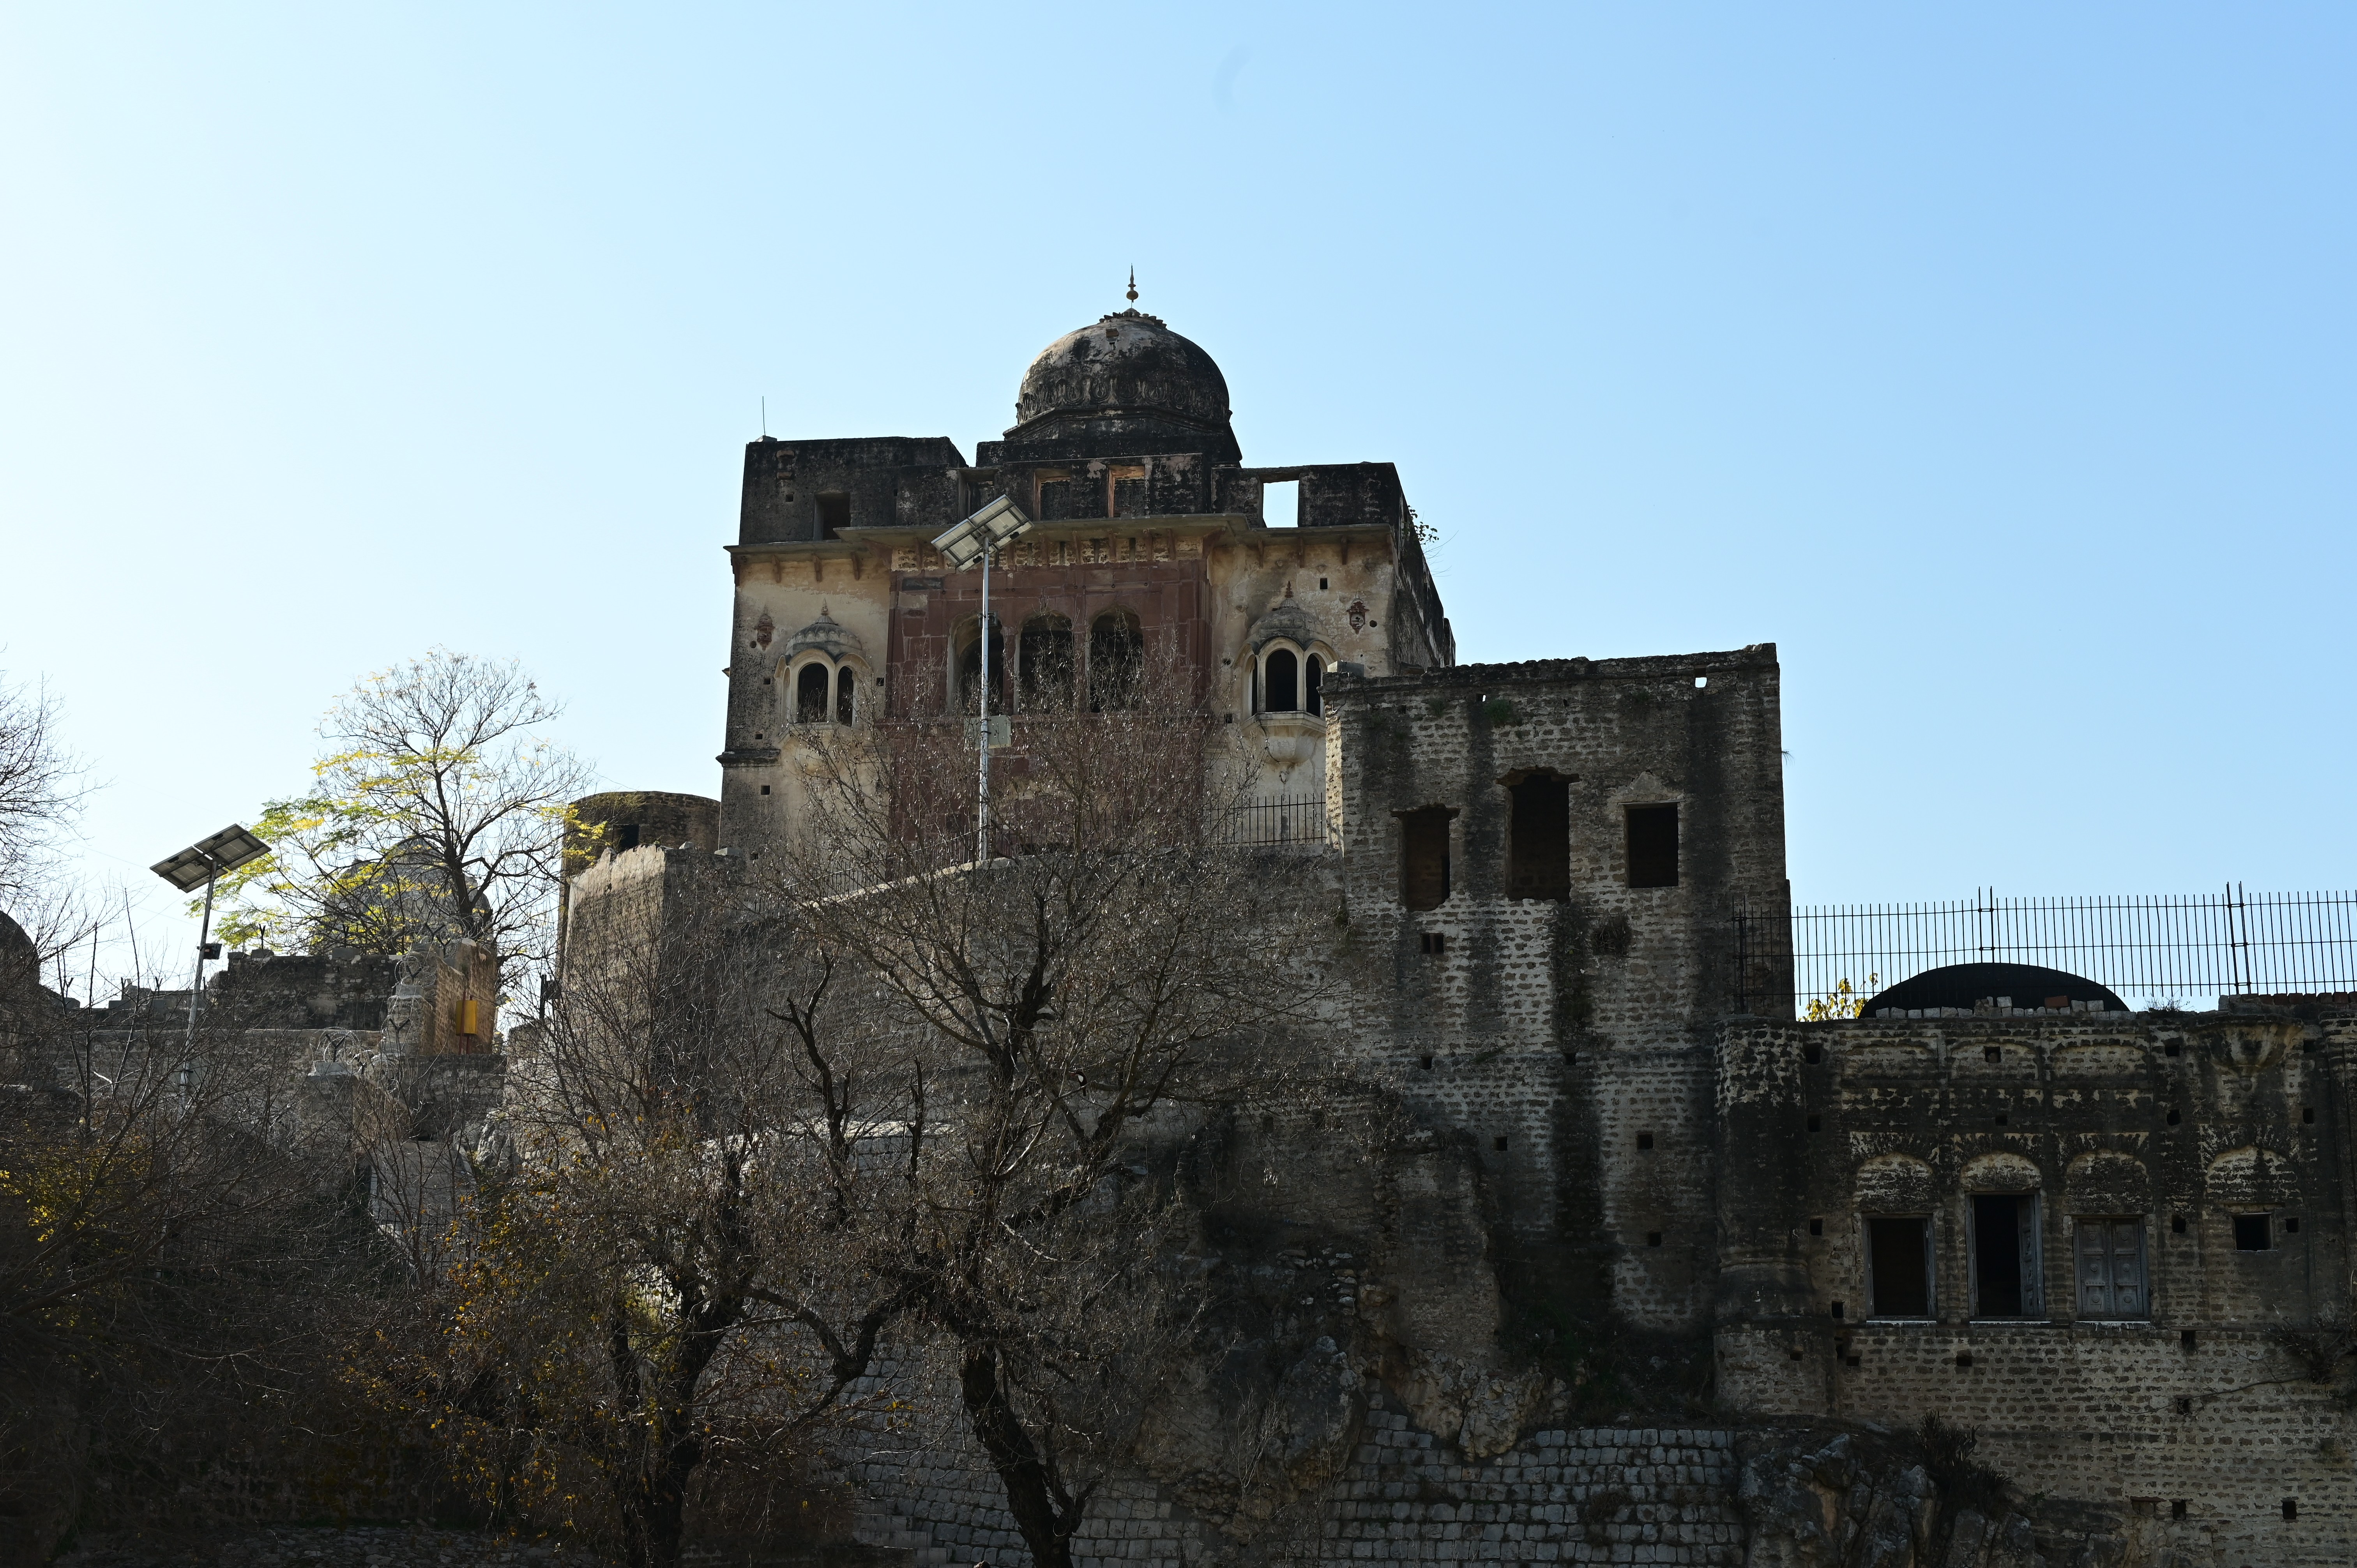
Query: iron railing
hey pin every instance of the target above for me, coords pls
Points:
(1290, 821)
(2184, 949)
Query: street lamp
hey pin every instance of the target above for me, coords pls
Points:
(203, 861)
(977, 538)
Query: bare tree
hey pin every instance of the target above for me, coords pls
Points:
(1042, 1024)
(437, 811)
(166, 1242)
(656, 1286)
(41, 787)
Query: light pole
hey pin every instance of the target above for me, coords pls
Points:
(204, 860)
(977, 538)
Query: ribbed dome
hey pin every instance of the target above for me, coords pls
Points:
(1127, 365)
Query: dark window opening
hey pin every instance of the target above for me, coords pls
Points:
(1055, 495)
(2178, 1224)
(1129, 492)
(2291, 1507)
(627, 836)
(1322, 585)
(1538, 840)
(765, 788)
(2111, 1268)
(2291, 1225)
(1571, 1058)
(1434, 941)
(969, 683)
(833, 513)
(2176, 1509)
(1652, 1237)
(1652, 847)
(1816, 1123)
(1644, 1140)
(1280, 682)
(810, 694)
(2307, 1114)
(1963, 1360)
(1424, 857)
(1314, 687)
(2175, 1116)
(1839, 1309)
(1816, 1227)
(2185, 1340)
(2171, 1049)
(1812, 1055)
(1116, 661)
(2005, 1254)
(1898, 1263)
(2000, 1118)
(1045, 668)
(1499, 1145)
(1423, 1062)
(846, 708)
(2251, 1233)
(2185, 1404)
(1992, 1053)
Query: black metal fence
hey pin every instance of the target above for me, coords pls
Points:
(1290, 821)
(2150, 949)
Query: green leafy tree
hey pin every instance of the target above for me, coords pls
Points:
(1844, 1000)
(437, 810)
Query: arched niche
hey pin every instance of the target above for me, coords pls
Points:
(2252, 1177)
(1894, 1184)
(2108, 1182)
(2001, 1171)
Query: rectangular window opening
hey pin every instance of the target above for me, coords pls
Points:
(627, 836)
(1424, 857)
(1129, 490)
(833, 513)
(1280, 504)
(1899, 1265)
(1538, 840)
(2005, 1254)
(2251, 1233)
(1652, 847)
(2111, 1268)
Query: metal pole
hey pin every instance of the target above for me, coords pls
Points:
(982, 727)
(204, 935)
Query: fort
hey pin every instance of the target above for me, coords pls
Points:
(2108, 1245)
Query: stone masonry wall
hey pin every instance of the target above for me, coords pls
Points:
(1570, 1038)
(1585, 1495)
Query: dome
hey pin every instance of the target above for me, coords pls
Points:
(1128, 369)
(1963, 984)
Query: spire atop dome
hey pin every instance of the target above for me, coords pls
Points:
(1133, 285)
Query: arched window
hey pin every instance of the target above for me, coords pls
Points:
(969, 670)
(810, 694)
(1045, 683)
(1116, 661)
(1315, 700)
(1282, 680)
(845, 706)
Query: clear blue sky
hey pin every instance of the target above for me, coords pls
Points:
(1994, 362)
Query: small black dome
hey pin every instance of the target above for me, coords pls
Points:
(1127, 374)
(1963, 984)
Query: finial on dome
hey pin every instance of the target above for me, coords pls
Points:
(1133, 285)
